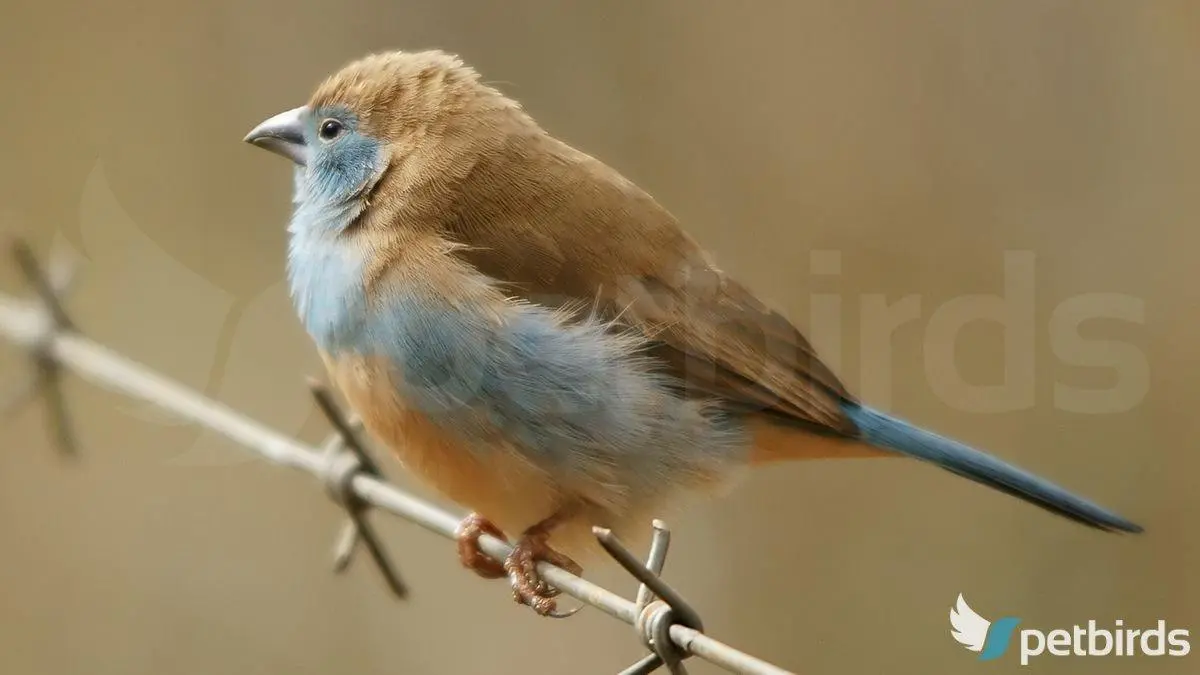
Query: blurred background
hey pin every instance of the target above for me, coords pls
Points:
(864, 165)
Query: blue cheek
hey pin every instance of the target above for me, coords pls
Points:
(341, 170)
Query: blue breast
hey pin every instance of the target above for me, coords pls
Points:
(325, 275)
(571, 397)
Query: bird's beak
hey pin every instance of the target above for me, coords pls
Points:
(283, 135)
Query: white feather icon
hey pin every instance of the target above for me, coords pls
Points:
(967, 627)
(239, 349)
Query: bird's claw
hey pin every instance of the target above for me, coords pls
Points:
(520, 566)
(528, 586)
(467, 537)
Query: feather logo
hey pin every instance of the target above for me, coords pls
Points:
(234, 349)
(967, 627)
(978, 634)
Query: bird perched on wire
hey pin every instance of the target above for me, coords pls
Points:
(537, 338)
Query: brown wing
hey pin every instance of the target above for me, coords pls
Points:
(562, 229)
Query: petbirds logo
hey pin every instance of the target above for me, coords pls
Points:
(992, 638)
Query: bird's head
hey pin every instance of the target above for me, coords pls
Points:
(416, 117)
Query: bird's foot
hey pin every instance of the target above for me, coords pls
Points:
(467, 536)
(528, 586)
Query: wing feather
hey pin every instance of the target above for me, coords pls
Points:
(561, 229)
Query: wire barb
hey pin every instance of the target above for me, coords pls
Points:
(347, 541)
(346, 458)
(47, 379)
(654, 619)
(656, 560)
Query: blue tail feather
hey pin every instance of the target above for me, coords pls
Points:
(884, 431)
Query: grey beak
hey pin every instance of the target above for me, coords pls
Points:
(283, 135)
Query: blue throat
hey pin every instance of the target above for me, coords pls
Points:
(325, 271)
(325, 275)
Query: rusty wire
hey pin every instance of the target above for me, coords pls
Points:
(669, 627)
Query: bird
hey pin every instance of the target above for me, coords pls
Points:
(536, 338)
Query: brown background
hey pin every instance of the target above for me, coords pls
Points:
(918, 140)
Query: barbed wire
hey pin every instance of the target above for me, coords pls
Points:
(669, 627)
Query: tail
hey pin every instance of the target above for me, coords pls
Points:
(883, 431)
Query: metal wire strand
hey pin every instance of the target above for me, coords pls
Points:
(24, 324)
(660, 542)
(358, 528)
(47, 380)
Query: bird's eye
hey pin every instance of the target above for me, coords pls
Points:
(330, 129)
